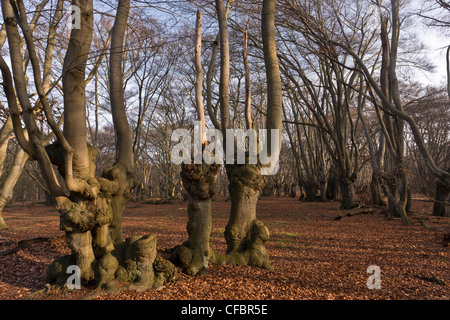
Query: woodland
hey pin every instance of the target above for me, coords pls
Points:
(92, 91)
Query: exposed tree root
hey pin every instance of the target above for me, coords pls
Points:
(134, 261)
(252, 251)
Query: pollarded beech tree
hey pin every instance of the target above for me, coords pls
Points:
(199, 180)
(91, 214)
(246, 236)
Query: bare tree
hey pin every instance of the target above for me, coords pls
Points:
(20, 157)
(436, 13)
(245, 235)
(321, 91)
(91, 214)
(199, 180)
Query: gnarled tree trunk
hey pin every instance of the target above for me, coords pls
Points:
(199, 180)
(195, 255)
(246, 236)
(91, 214)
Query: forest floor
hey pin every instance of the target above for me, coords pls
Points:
(314, 255)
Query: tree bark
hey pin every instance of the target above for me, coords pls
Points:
(274, 91)
(245, 235)
(248, 94)
(73, 79)
(6, 190)
(346, 187)
(396, 188)
(2, 222)
(5, 133)
(375, 188)
(332, 185)
(195, 255)
(199, 76)
(441, 205)
(124, 136)
(224, 68)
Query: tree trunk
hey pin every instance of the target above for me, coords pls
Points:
(49, 201)
(195, 255)
(224, 68)
(246, 236)
(375, 188)
(80, 243)
(94, 235)
(408, 199)
(92, 215)
(116, 185)
(244, 197)
(5, 132)
(441, 207)
(323, 191)
(310, 191)
(6, 190)
(348, 193)
(332, 186)
(293, 190)
(397, 190)
(2, 222)
(73, 79)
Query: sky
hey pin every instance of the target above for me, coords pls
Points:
(437, 53)
(437, 40)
